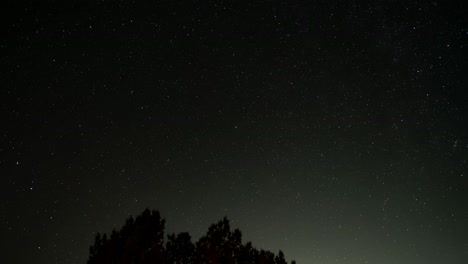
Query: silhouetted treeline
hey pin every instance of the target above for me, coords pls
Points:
(141, 240)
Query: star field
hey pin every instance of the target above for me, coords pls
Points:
(336, 132)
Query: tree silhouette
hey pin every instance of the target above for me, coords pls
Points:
(180, 249)
(141, 240)
(220, 245)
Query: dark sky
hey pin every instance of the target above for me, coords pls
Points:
(337, 132)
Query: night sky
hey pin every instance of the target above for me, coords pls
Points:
(337, 132)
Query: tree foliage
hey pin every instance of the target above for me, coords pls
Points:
(141, 240)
